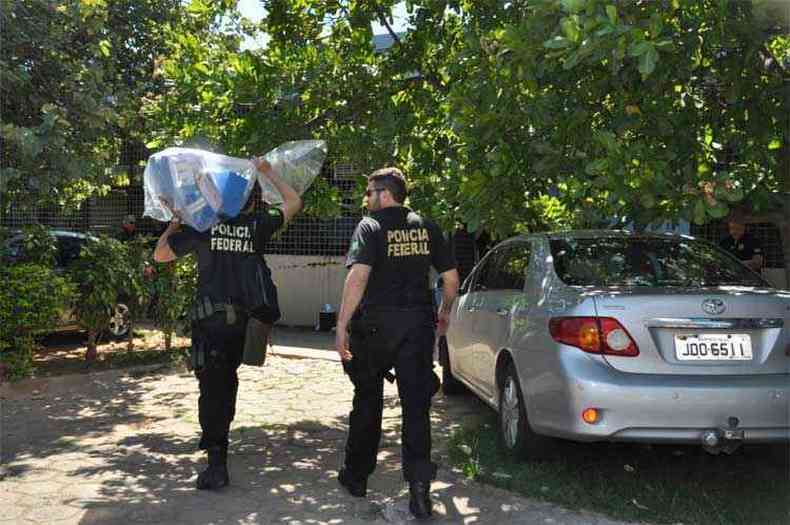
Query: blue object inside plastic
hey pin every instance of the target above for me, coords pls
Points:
(162, 179)
(232, 187)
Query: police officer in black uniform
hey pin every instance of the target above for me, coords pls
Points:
(388, 294)
(234, 284)
(742, 245)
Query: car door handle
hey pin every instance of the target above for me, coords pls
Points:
(503, 311)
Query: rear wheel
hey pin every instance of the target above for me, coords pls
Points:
(450, 385)
(515, 434)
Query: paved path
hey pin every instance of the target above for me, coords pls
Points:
(120, 447)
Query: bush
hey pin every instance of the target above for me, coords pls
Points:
(173, 286)
(101, 272)
(39, 246)
(32, 299)
(136, 293)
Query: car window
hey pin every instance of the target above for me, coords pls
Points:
(512, 267)
(647, 261)
(481, 279)
(504, 269)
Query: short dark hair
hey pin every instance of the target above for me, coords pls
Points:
(391, 179)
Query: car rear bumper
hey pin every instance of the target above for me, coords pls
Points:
(660, 408)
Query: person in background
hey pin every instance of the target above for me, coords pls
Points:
(128, 229)
(742, 244)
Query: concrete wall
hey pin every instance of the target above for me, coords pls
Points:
(305, 283)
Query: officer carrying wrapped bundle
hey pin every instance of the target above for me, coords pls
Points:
(224, 210)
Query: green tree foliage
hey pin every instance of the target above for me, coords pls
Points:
(663, 110)
(73, 75)
(32, 300)
(55, 104)
(505, 113)
(38, 246)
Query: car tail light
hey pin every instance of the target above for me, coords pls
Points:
(591, 416)
(596, 335)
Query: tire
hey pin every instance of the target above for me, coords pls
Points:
(515, 434)
(450, 385)
(119, 322)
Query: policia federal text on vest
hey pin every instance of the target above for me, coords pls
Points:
(390, 256)
(237, 300)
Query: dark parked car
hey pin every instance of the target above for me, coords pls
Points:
(69, 245)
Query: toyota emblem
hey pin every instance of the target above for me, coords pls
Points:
(713, 306)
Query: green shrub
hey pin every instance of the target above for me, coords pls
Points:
(32, 299)
(101, 273)
(40, 247)
(173, 286)
(136, 292)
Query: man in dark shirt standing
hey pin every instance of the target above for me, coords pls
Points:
(743, 245)
(234, 284)
(387, 292)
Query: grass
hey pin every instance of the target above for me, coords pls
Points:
(658, 484)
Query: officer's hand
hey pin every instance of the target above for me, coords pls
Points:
(341, 344)
(166, 203)
(442, 323)
(262, 164)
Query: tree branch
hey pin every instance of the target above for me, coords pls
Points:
(385, 23)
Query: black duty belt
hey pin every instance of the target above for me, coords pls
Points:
(205, 308)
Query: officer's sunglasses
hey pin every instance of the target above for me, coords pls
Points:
(369, 192)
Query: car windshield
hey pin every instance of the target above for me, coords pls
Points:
(647, 261)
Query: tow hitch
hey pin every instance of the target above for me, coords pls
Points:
(727, 440)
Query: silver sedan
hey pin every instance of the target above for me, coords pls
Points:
(602, 335)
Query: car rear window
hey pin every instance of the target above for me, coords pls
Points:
(647, 261)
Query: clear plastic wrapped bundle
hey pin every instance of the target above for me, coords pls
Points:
(204, 188)
(298, 163)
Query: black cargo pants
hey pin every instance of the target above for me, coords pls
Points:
(223, 345)
(402, 338)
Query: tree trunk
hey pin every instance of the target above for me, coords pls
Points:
(91, 353)
(130, 340)
(168, 340)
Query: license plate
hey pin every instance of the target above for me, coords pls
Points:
(713, 347)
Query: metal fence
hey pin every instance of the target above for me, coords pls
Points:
(305, 235)
(767, 233)
(104, 214)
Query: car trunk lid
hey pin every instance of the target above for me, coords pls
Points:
(702, 331)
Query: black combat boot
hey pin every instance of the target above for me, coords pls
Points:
(216, 474)
(420, 500)
(356, 487)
